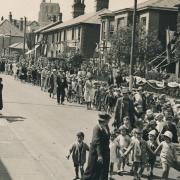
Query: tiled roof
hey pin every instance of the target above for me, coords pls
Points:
(90, 18)
(47, 27)
(6, 28)
(159, 4)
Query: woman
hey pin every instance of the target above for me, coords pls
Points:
(88, 92)
(1, 100)
(99, 154)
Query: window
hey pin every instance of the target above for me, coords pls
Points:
(79, 33)
(59, 36)
(143, 22)
(120, 22)
(53, 38)
(64, 35)
(103, 30)
(57, 39)
(111, 28)
(73, 33)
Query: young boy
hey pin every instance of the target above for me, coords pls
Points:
(152, 143)
(123, 141)
(140, 149)
(78, 151)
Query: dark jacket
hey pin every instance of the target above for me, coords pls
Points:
(99, 147)
(1, 99)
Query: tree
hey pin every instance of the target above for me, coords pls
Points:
(147, 46)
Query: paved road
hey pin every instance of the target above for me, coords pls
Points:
(35, 134)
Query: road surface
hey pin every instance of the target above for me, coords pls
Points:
(36, 133)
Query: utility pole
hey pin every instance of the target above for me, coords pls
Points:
(24, 45)
(132, 46)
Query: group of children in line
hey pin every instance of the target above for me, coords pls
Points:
(126, 148)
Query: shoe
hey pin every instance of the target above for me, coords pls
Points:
(76, 178)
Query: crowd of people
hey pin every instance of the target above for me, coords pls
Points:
(144, 123)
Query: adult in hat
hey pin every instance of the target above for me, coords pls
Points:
(1, 99)
(119, 79)
(170, 126)
(99, 154)
(124, 107)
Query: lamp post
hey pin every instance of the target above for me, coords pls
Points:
(132, 46)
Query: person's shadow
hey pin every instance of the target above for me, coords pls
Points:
(12, 119)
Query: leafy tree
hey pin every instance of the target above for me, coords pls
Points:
(147, 46)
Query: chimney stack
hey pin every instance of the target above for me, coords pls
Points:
(78, 8)
(10, 17)
(21, 24)
(60, 17)
(101, 4)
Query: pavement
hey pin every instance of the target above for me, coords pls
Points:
(36, 133)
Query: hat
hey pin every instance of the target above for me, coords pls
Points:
(162, 96)
(168, 134)
(152, 122)
(140, 88)
(158, 116)
(54, 70)
(80, 134)
(153, 132)
(138, 131)
(103, 116)
(149, 112)
(122, 128)
(125, 91)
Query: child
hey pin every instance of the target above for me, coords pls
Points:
(127, 125)
(153, 145)
(114, 154)
(168, 155)
(140, 149)
(78, 151)
(123, 141)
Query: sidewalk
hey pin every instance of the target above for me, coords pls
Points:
(16, 163)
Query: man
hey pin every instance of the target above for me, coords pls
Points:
(119, 79)
(61, 86)
(124, 107)
(140, 98)
(99, 154)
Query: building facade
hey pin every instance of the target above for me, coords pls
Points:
(49, 12)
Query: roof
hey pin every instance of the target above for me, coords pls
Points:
(159, 4)
(19, 45)
(7, 28)
(90, 18)
(47, 26)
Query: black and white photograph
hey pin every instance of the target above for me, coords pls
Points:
(90, 90)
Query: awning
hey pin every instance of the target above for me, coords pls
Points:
(19, 45)
(32, 50)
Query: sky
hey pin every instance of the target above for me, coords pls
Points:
(30, 8)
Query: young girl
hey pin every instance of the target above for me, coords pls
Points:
(78, 151)
(168, 155)
(114, 154)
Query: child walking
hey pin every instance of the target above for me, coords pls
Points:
(78, 151)
(114, 154)
(168, 155)
(140, 149)
(152, 143)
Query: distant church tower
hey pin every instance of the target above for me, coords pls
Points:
(101, 4)
(49, 12)
(78, 8)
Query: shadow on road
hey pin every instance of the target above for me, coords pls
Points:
(4, 174)
(12, 119)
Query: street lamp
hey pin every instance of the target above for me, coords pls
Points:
(132, 46)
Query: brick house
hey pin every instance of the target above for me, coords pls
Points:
(154, 15)
(80, 34)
